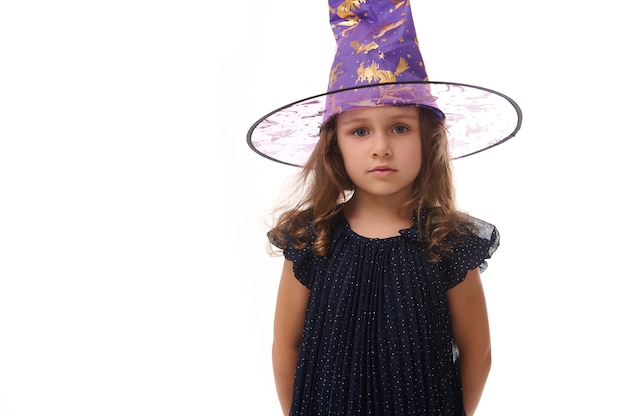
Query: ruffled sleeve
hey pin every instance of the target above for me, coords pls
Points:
(302, 259)
(478, 246)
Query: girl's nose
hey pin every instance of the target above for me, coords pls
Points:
(381, 146)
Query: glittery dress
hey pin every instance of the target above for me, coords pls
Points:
(377, 337)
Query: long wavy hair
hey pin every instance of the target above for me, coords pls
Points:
(326, 185)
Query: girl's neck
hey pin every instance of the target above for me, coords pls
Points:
(377, 220)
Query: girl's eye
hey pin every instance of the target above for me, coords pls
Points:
(400, 129)
(360, 132)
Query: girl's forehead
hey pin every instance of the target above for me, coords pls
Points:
(366, 113)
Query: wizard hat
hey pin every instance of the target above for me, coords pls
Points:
(378, 62)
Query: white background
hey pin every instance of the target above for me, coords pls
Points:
(134, 277)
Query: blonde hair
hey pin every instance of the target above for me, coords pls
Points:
(326, 184)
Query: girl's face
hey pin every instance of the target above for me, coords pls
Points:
(381, 149)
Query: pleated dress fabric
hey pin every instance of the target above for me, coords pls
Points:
(377, 337)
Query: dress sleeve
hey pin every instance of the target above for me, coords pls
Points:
(302, 259)
(478, 246)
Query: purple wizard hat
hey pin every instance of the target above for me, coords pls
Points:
(378, 62)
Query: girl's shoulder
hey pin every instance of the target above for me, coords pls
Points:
(477, 228)
(457, 238)
(462, 225)
(472, 244)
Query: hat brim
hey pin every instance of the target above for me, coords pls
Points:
(477, 119)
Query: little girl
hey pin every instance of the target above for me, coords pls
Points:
(380, 308)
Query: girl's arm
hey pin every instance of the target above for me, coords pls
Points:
(470, 326)
(288, 323)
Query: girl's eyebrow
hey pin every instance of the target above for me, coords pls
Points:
(354, 119)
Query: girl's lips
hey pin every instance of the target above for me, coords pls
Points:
(382, 171)
(382, 167)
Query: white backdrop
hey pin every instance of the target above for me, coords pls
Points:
(133, 273)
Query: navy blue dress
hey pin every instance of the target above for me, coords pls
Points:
(377, 337)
